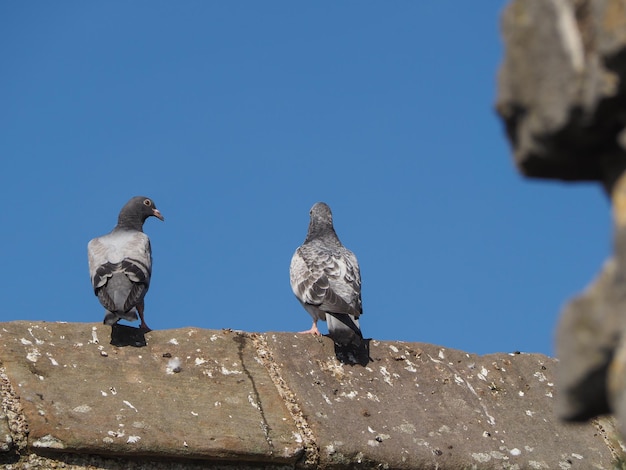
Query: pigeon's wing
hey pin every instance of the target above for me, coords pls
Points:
(317, 279)
(126, 252)
(349, 279)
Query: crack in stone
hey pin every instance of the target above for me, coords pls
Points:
(240, 339)
(311, 449)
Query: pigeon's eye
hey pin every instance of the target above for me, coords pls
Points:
(147, 202)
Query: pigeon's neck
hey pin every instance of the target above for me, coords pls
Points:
(129, 222)
(325, 233)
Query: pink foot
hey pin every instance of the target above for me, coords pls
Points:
(313, 331)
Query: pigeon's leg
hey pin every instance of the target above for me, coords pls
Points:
(313, 331)
(143, 325)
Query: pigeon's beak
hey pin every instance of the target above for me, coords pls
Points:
(157, 214)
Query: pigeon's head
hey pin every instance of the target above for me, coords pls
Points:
(321, 224)
(321, 212)
(136, 211)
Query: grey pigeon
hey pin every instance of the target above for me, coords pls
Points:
(120, 263)
(325, 278)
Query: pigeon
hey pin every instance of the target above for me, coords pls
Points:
(325, 278)
(120, 263)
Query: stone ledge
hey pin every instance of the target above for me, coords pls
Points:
(193, 397)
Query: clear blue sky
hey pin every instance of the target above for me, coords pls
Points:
(235, 117)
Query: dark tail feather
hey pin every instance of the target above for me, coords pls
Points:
(111, 318)
(344, 329)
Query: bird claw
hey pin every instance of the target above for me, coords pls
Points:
(312, 331)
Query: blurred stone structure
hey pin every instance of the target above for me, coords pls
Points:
(562, 97)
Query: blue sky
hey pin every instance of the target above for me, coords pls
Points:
(235, 117)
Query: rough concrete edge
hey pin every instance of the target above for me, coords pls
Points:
(14, 412)
(607, 429)
(311, 449)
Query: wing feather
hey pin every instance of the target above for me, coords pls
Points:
(123, 252)
(327, 279)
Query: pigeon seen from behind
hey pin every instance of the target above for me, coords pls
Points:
(120, 263)
(325, 278)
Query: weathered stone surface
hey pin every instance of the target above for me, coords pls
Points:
(189, 393)
(561, 87)
(277, 400)
(423, 406)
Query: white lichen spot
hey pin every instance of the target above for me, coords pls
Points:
(441, 354)
(213, 338)
(194, 413)
(116, 433)
(94, 335)
(104, 394)
(386, 375)
(353, 394)
(52, 360)
(528, 448)
(26, 342)
(38, 341)
(405, 428)
(410, 366)
(515, 451)
(538, 465)
(173, 366)
(104, 353)
(33, 355)
(226, 371)
(577, 456)
(541, 376)
(372, 397)
(113, 390)
(82, 409)
(550, 384)
(481, 457)
(253, 402)
(373, 442)
(393, 348)
(217, 404)
(129, 404)
(173, 341)
(549, 394)
(530, 413)
(520, 393)
(78, 345)
(107, 440)
(185, 444)
(458, 379)
(133, 439)
(444, 429)
(49, 442)
(199, 361)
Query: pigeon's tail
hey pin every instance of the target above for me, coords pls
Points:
(344, 329)
(111, 318)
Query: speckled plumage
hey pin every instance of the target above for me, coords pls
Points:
(325, 278)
